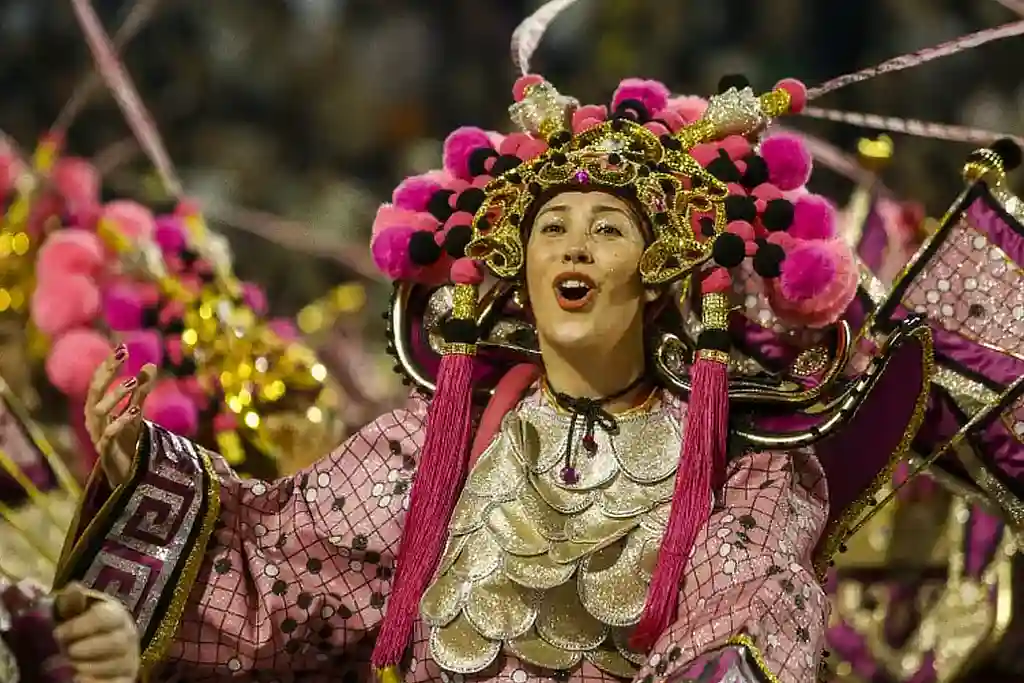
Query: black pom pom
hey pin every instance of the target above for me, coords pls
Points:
(188, 257)
(477, 161)
(457, 331)
(634, 110)
(173, 326)
(438, 206)
(618, 125)
(707, 227)
(505, 163)
(737, 81)
(723, 169)
(740, 208)
(186, 368)
(728, 250)
(756, 173)
(768, 260)
(717, 340)
(456, 239)
(423, 250)
(778, 215)
(1009, 151)
(150, 317)
(469, 200)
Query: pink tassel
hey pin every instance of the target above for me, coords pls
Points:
(701, 470)
(442, 469)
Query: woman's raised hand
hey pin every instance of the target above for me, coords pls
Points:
(114, 423)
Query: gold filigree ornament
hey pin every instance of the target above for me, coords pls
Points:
(621, 156)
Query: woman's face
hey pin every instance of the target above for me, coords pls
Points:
(582, 275)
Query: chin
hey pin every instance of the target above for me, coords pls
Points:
(569, 334)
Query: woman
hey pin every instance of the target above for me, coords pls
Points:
(574, 550)
(77, 635)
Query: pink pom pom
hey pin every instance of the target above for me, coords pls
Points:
(767, 192)
(736, 189)
(73, 359)
(389, 216)
(511, 143)
(130, 218)
(466, 271)
(172, 409)
(77, 181)
(170, 234)
(717, 281)
(285, 329)
(742, 229)
(736, 147)
(689, 107)
(825, 273)
(254, 298)
(657, 128)
(144, 346)
(797, 94)
(62, 303)
(521, 85)
(653, 94)
(814, 218)
(459, 145)
(704, 153)
(531, 149)
(122, 307)
(789, 162)
(11, 168)
(390, 250)
(224, 422)
(589, 116)
(807, 272)
(70, 252)
(413, 194)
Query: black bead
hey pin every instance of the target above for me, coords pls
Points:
(423, 250)
(740, 208)
(707, 227)
(456, 240)
(559, 159)
(477, 162)
(729, 250)
(438, 206)
(1009, 151)
(470, 199)
(560, 139)
(777, 215)
(614, 159)
(505, 163)
(717, 340)
(737, 81)
(768, 260)
(618, 125)
(756, 172)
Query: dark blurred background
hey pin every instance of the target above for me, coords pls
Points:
(314, 109)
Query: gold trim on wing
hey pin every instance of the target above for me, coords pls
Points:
(853, 518)
(747, 643)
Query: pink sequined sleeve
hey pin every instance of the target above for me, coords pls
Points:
(231, 577)
(751, 601)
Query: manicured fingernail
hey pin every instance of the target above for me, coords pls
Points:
(134, 410)
(130, 383)
(121, 352)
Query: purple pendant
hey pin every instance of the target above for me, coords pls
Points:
(569, 475)
(582, 177)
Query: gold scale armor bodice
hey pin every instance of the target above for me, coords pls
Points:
(551, 572)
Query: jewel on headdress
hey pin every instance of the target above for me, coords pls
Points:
(543, 111)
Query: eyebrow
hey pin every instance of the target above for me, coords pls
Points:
(598, 209)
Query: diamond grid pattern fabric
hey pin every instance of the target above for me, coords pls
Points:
(296, 577)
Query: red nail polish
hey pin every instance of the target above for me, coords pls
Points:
(130, 383)
(121, 352)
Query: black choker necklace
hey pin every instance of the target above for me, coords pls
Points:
(592, 412)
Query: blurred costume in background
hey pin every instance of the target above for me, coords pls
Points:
(927, 589)
(29, 652)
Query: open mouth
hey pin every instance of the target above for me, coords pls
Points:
(574, 290)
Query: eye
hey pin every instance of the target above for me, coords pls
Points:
(607, 229)
(552, 229)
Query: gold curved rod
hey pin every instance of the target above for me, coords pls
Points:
(747, 390)
(851, 399)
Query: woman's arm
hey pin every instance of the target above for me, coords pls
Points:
(250, 575)
(750, 604)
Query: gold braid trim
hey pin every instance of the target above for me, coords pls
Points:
(464, 302)
(747, 643)
(715, 311)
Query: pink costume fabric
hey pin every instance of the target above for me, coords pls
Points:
(294, 578)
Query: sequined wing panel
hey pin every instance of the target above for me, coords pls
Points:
(967, 280)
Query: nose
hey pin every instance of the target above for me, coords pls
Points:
(578, 254)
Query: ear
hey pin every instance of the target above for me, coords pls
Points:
(651, 294)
